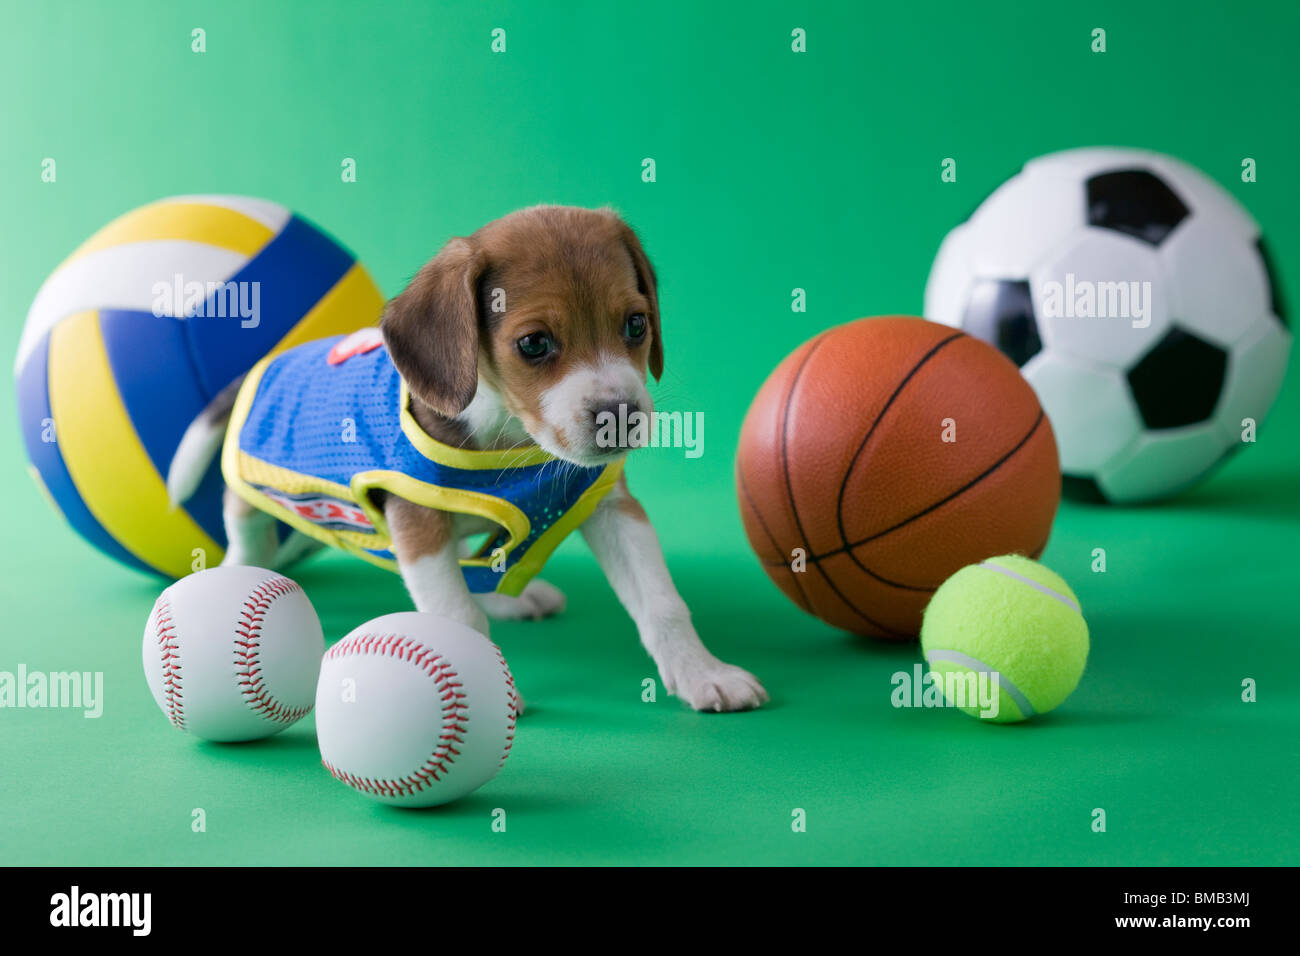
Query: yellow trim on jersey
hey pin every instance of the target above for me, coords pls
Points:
(467, 458)
(458, 500)
(93, 427)
(252, 471)
(527, 567)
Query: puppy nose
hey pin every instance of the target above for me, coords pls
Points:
(613, 409)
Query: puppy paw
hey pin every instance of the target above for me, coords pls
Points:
(294, 548)
(719, 687)
(539, 599)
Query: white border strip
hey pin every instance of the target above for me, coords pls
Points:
(1037, 586)
(971, 663)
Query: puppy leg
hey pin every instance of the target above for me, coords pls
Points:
(627, 548)
(250, 534)
(427, 556)
(294, 548)
(430, 563)
(537, 600)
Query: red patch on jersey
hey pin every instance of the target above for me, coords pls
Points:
(358, 343)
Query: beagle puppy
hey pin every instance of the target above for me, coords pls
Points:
(475, 412)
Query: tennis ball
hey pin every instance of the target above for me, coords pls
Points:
(1012, 617)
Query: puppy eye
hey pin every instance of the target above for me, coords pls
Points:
(635, 326)
(535, 345)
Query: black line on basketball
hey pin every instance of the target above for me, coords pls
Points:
(789, 490)
(785, 427)
(854, 608)
(942, 501)
(839, 501)
(744, 489)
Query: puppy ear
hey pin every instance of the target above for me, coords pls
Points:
(649, 287)
(431, 329)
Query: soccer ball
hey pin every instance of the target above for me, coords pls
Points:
(1138, 299)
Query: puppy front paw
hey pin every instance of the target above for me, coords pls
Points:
(538, 599)
(717, 686)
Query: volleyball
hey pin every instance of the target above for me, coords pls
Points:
(136, 332)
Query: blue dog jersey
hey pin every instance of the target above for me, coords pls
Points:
(317, 429)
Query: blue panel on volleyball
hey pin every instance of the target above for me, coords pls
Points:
(292, 272)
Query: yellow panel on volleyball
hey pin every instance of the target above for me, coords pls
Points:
(93, 429)
(205, 223)
(353, 303)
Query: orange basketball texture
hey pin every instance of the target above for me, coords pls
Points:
(842, 455)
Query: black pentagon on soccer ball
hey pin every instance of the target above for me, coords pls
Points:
(1001, 312)
(1082, 488)
(1136, 203)
(1179, 381)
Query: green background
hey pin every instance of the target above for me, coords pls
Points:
(775, 171)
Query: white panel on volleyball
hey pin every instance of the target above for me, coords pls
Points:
(123, 277)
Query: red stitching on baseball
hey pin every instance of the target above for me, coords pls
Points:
(165, 629)
(514, 706)
(455, 714)
(248, 664)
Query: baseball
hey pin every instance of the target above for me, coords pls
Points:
(232, 653)
(415, 710)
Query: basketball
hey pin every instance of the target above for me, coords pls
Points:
(884, 455)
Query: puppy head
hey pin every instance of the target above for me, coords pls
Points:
(553, 310)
